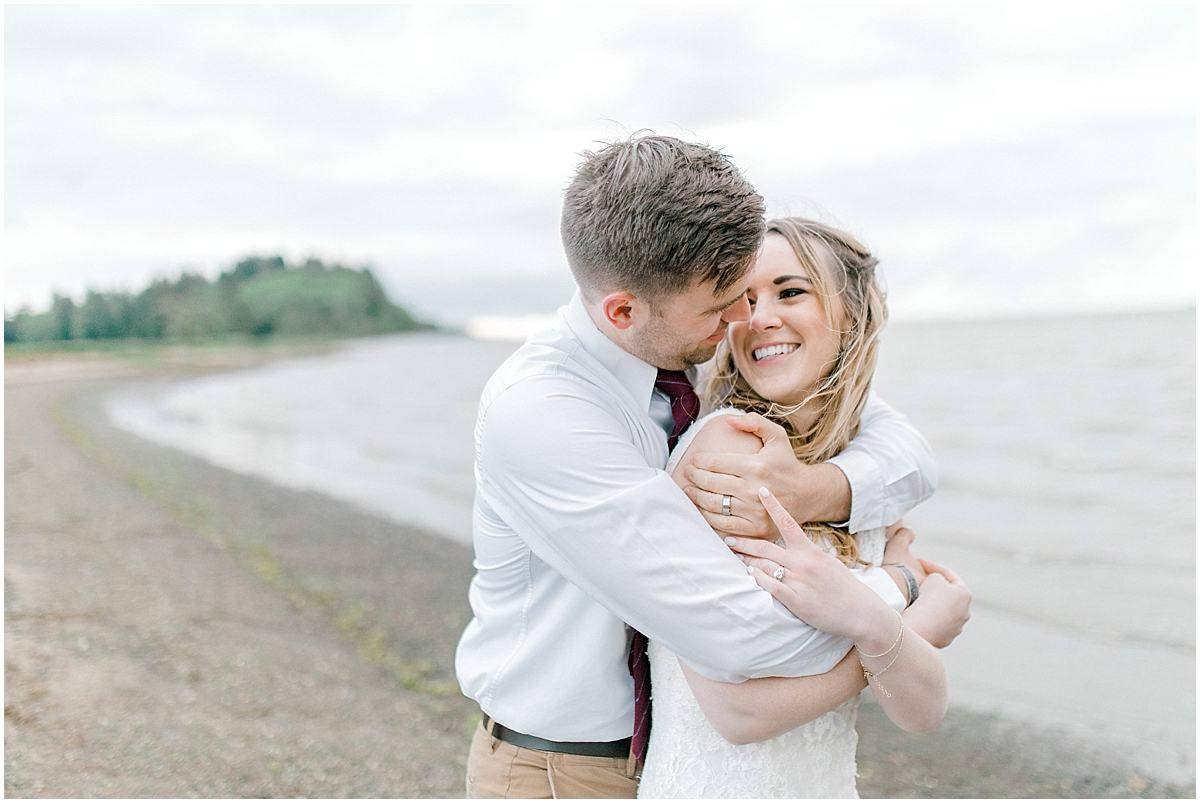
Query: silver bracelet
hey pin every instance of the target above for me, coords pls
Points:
(913, 589)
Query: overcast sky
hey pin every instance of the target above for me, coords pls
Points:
(1003, 160)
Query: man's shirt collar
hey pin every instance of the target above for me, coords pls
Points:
(636, 376)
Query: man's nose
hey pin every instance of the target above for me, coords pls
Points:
(738, 310)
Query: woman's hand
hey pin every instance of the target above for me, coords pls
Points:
(943, 607)
(814, 585)
(909, 680)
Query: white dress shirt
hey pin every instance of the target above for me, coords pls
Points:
(578, 530)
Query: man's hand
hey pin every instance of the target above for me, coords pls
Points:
(809, 493)
(943, 608)
(741, 516)
(745, 518)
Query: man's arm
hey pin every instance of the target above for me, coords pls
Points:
(587, 503)
(885, 471)
(889, 465)
(810, 492)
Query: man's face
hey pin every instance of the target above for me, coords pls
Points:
(684, 329)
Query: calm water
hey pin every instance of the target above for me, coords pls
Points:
(1066, 448)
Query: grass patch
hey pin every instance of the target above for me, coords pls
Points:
(231, 351)
(265, 565)
(194, 515)
(352, 619)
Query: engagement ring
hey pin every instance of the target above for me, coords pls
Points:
(778, 573)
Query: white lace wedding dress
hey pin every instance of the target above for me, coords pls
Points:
(687, 758)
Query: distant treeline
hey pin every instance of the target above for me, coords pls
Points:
(259, 296)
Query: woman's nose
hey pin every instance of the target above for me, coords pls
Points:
(764, 318)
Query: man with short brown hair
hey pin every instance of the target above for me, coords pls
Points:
(655, 216)
(577, 529)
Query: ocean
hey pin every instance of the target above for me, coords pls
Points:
(1066, 452)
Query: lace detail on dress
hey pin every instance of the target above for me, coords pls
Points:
(687, 758)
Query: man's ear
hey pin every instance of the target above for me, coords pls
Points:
(618, 308)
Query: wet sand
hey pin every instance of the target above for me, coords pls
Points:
(175, 630)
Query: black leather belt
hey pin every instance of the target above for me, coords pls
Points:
(617, 749)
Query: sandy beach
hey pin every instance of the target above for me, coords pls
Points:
(174, 629)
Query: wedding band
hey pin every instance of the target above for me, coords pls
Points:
(726, 502)
(778, 573)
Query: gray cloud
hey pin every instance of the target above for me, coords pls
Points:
(139, 138)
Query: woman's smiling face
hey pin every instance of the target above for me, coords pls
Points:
(788, 345)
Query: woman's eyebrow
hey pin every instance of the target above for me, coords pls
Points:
(791, 278)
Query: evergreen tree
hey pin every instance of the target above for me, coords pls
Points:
(260, 295)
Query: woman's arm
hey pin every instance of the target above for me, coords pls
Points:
(909, 680)
(764, 707)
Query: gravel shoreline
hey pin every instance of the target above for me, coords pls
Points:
(173, 629)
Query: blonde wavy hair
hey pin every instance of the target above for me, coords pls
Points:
(842, 272)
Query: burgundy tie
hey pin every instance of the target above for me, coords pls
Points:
(685, 406)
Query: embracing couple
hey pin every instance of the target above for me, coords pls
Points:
(692, 600)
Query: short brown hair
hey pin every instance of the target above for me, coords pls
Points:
(655, 215)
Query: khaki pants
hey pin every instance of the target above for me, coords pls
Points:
(500, 769)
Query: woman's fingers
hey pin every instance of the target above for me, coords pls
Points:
(766, 556)
(757, 548)
(763, 565)
(779, 590)
(936, 568)
(793, 534)
(816, 588)
(943, 608)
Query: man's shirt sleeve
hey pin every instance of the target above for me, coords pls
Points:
(890, 467)
(562, 470)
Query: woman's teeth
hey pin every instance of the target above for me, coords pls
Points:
(774, 351)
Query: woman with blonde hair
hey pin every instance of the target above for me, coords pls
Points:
(804, 360)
